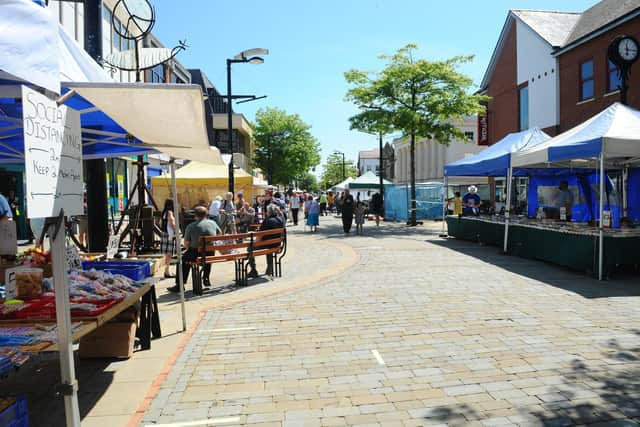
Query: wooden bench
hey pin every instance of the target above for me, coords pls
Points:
(240, 248)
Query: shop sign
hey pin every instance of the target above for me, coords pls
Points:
(53, 157)
(8, 238)
(483, 129)
(74, 262)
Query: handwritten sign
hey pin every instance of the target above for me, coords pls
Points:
(74, 262)
(113, 245)
(53, 156)
(8, 238)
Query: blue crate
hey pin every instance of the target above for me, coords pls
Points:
(16, 414)
(135, 270)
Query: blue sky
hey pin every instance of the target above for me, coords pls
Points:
(312, 43)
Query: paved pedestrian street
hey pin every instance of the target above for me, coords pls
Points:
(419, 331)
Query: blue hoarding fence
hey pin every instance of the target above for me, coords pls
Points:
(397, 201)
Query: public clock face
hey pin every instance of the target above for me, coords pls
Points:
(628, 49)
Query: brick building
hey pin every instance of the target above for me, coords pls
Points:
(588, 81)
(550, 69)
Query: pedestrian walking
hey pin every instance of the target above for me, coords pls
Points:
(359, 217)
(376, 207)
(323, 204)
(338, 202)
(214, 209)
(313, 214)
(294, 204)
(348, 206)
(168, 237)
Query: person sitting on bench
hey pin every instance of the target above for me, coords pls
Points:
(203, 226)
(271, 222)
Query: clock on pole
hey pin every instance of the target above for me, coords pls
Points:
(623, 51)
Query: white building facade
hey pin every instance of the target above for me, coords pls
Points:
(431, 156)
(369, 161)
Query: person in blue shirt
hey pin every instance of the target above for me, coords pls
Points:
(471, 201)
(5, 209)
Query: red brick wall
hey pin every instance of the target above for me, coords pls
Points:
(503, 90)
(574, 112)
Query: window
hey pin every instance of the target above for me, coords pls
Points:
(586, 80)
(115, 34)
(613, 77)
(468, 136)
(156, 74)
(523, 100)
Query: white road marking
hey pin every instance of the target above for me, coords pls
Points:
(246, 328)
(208, 422)
(378, 357)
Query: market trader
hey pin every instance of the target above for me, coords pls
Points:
(564, 199)
(202, 226)
(471, 201)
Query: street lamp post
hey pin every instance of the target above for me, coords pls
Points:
(343, 162)
(250, 55)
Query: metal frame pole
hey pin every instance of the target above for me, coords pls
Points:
(176, 214)
(625, 196)
(507, 211)
(230, 128)
(445, 193)
(63, 320)
(602, 189)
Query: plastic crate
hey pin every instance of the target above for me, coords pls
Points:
(134, 270)
(15, 414)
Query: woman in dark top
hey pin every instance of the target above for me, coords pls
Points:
(348, 206)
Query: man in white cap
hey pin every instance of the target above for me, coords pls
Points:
(214, 208)
(471, 201)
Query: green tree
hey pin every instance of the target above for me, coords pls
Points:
(332, 172)
(415, 97)
(285, 148)
(308, 182)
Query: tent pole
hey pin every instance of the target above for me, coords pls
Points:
(69, 385)
(176, 214)
(507, 211)
(601, 231)
(445, 193)
(625, 202)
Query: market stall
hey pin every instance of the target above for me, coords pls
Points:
(494, 161)
(94, 122)
(197, 181)
(593, 169)
(366, 184)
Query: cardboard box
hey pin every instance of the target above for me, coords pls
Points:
(111, 340)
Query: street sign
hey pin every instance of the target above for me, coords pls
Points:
(53, 157)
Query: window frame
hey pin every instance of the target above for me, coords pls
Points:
(582, 81)
(520, 88)
(609, 71)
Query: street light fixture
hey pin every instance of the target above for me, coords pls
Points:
(251, 56)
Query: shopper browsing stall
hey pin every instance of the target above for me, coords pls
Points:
(564, 201)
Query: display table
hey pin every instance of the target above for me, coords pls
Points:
(149, 321)
(567, 244)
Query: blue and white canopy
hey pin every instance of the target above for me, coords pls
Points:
(496, 159)
(614, 133)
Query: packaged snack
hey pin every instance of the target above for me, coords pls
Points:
(29, 283)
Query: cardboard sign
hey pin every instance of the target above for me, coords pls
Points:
(10, 289)
(74, 262)
(52, 155)
(113, 246)
(8, 238)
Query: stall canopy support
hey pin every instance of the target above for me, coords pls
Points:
(507, 211)
(445, 193)
(601, 231)
(176, 214)
(69, 385)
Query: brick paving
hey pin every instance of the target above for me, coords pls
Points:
(463, 336)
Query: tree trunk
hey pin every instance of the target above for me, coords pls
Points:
(412, 151)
